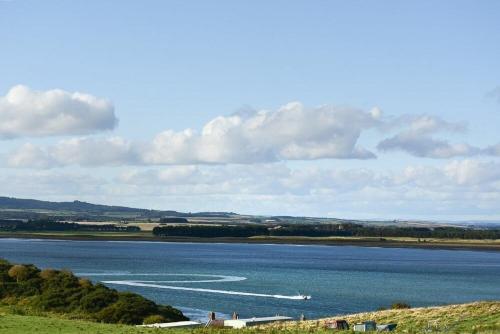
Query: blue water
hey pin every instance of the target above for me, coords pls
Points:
(340, 279)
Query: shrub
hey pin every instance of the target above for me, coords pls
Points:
(48, 273)
(154, 319)
(128, 309)
(85, 283)
(400, 306)
(19, 272)
(62, 292)
(98, 299)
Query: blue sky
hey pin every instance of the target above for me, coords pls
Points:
(176, 65)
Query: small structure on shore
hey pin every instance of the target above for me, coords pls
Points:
(365, 326)
(241, 323)
(177, 324)
(213, 321)
(386, 327)
(337, 324)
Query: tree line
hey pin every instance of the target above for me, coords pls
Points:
(323, 230)
(48, 225)
(60, 291)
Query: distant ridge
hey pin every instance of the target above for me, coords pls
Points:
(11, 203)
(20, 208)
(19, 203)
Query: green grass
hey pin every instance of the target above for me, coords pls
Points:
(17, 324)
(475, 318)
(480, 317)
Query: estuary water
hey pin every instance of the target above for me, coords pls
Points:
(263, 280)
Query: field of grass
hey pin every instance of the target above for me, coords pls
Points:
(477, 318)
(388, 241)
(146, 235)
(17, 324)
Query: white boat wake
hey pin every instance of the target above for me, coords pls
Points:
(226, 292)
(215, 278)
(208, 279)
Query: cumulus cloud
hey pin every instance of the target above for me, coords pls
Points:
(292, 132)
(25, 112)
(84, 151)
(417, 138)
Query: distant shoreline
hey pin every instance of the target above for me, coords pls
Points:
(478, 245)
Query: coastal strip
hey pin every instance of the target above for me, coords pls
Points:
(448, 244)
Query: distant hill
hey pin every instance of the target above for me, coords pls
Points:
(30, 208)
(17, 208)
(78, 206)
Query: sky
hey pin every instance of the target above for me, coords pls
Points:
(348, 109)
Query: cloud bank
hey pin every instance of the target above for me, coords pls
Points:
(453, 188)
(28, 113)
(292, 132)
(418, 139)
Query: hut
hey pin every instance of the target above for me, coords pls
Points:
(365, 326)
(386, 327)
(337, 324)
(213, 321)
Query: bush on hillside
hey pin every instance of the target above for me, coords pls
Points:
(154, 319)
(400, 306)
(62, 292)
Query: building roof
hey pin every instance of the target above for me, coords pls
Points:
(173, 324)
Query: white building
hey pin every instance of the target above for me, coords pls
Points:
(177, 324)
(240, 323)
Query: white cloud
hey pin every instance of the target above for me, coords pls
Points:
(459, 187)
(25, 112)
(474, 173)
(87, 152)
(269, 179)
(417, 138)
(292, 132)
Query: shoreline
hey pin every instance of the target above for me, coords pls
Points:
(362, 242)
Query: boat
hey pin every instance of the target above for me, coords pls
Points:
(305, 297)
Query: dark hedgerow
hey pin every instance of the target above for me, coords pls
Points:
(62, 292)
(323, 230)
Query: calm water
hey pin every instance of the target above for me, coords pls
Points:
(225, 277)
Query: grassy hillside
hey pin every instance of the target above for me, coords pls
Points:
(18, 324)
(478, 318)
